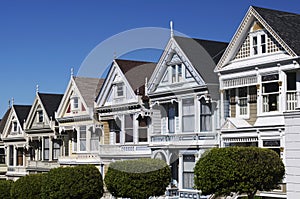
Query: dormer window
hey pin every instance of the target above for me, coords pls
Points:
(40, 116)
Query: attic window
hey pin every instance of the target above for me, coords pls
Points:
(40, 116)
(119, 90)
(15, 126)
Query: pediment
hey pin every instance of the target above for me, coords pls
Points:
(235, 123)
(13, 126)
(254, 38)
(116, 89)
(37, 117)
(174, 71)
(72, 103)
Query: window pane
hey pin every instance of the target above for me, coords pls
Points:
(271, 87)
(291, 81)
(11, 155)
(129, 135)
(188, 180)
(205, 116)
(188, 123)
(82, 138)
(2, 156)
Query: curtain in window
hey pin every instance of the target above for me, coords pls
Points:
(46, 148)
(128, 128)
(82, 138)
(56, 149)
(188, 115)
(95, 140)
(205, 116)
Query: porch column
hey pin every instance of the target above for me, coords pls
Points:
(42, 149)
(222, 107)
(180, 172)
(135, 129)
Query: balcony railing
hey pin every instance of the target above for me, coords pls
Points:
(41, 165)
(136, 149)
(184, 139)
(85, 158)
(291, 100)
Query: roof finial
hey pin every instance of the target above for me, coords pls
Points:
(171, 27)
(72, 72)
(115, 55)
(37, 88)
(8, 103)
(12, 101)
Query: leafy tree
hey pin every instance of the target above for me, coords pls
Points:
(5, 188)
(80, 182)
(139, 178)
(238, 169)
(28, 187)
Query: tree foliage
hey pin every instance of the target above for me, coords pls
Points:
(80, 182)
(139, 178)
(5, 188)
(28, 187)
(238, 169)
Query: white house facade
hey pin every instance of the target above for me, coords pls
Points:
(122, 109)
(183, 92)
(259, 81)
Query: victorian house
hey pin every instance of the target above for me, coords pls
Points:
(3, 153)
(184, 103)
(259, 81)
(79, 130)
(122, 108)
(43, 144)
(14, 140)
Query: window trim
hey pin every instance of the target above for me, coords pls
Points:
(259, 45)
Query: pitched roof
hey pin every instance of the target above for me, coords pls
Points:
(193, 49)
(4, 120)
(285, 24)
(88, 88)
(50, 102)
(136, 72)
(22, 112)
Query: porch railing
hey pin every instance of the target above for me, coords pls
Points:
(291, 100)
(124, 149)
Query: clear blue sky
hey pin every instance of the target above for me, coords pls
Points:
(42, 39)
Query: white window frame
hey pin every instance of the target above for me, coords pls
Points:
(263, 94)
(190, 115)
(82, 139)
(259, 46)
(238, 104)
(75, 103)
(40, 115)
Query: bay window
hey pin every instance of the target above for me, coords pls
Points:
(270, 92)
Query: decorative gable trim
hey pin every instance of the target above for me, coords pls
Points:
(65, 102)
(241, 34)
(31, 116)
(172, 49)
(115, 76)
(7, 128)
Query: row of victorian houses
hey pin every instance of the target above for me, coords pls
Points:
(200, 94)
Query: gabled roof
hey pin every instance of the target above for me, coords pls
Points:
(193, 47)
(22, 112)
(88, 88)
(50, 102)
(284, 27)
(4, 120)
(285, 24)
(136, 72)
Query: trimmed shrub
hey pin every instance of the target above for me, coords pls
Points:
(5, 188)
(136, 179)
(238, 169)
(80, 182)
(28, 187)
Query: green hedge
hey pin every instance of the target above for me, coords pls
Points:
(80, 182)
(5, 188)
(140, 178)
(28, 187)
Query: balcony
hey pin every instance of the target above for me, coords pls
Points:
(291, 100)
(41, 165)
(125, 150)
(184, 139)
(16, 171)
(80, 158)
